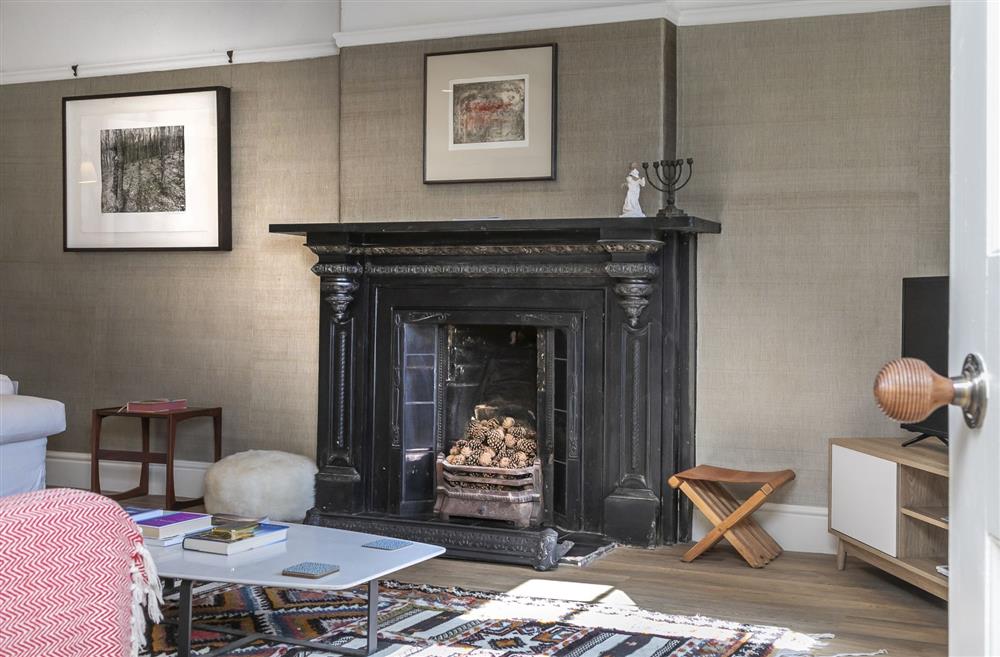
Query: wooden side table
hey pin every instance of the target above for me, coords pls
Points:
(145, 457)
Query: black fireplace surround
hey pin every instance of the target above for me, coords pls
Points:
(586, 327)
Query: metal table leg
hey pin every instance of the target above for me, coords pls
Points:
(372, 617)
(184, 619)
(185, 626)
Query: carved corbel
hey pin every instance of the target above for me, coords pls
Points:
(338, 283)
(634, 287)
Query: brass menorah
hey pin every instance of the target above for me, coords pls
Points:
(669, 174)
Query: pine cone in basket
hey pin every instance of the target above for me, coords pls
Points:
(478, 430)
(496, 444)
(507, 423)
(527, 445)
(521, 458)
(486, 459)
(455, 450)
(518, 431)
(466, 451)
(505, 462)
(510, 440)
(496, 433)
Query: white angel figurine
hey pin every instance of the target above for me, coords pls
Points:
(634, 182)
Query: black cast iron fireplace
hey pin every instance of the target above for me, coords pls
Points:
(574, 338)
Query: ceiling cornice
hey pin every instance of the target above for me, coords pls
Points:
(240, 56)
(679, 12)
(517, 23)
(712, 13)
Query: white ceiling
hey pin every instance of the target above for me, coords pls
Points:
(42, 39)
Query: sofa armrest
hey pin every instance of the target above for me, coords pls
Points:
(27, 418)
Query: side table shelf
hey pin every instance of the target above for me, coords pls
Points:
(889, 507)
(145, 457)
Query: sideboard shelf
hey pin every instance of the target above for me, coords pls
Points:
(932, 515)
(889, 507)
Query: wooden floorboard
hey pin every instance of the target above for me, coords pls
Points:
(865, 608)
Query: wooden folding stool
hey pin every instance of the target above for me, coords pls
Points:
(703, 485)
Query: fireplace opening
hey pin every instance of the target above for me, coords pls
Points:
(484, 414)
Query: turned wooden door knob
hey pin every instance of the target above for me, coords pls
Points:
(908, 390)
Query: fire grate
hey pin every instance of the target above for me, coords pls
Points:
(472, 491)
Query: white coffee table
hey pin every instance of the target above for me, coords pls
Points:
(263, 566)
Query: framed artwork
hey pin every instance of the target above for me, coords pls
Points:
(147, 171)
(490, 115)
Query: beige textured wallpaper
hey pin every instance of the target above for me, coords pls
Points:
(611, 111)
(235, 329)
(822, 146)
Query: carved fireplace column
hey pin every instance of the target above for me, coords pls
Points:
(632, 509)
(338, 483)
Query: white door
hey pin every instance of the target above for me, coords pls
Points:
(974, 543)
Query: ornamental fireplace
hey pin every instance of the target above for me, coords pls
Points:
(498, 386)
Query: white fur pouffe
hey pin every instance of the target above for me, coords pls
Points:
(261, 483)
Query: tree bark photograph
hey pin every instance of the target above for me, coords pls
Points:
(142, 169)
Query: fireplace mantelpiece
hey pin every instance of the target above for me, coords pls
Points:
(622, 290)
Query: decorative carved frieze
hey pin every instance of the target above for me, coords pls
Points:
(631, 270)
(490, 269)
(337, 269)
(630, 246)
(460, 250)
(602, 246)
(487, 269)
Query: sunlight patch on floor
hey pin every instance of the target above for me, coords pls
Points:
(560, 590)
(558, 596)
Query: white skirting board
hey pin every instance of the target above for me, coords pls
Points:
(72, 469)
(796, 528)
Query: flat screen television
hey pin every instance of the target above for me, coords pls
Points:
(925, 336)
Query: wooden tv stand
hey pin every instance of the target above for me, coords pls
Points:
(889, 507)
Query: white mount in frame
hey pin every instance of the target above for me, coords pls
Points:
(490, 114)
(147, 171)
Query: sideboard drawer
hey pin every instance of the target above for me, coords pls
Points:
(863, 501)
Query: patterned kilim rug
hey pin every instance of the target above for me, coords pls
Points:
(426, 621)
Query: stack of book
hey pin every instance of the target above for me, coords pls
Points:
(165, 528)
(235, 537)
(218, 534)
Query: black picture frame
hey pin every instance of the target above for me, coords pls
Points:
(554, 117)
(223, 163)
